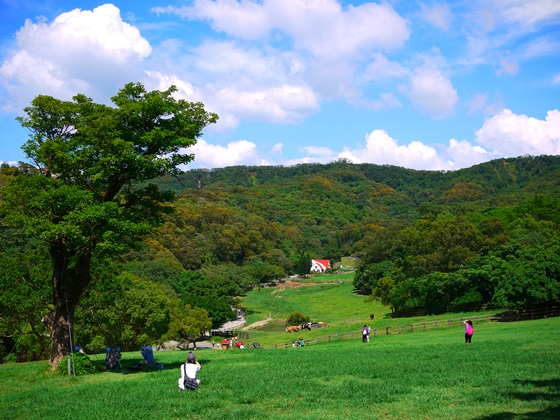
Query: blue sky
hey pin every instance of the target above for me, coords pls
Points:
(419, 84)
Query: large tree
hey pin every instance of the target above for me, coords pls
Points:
(91, 197)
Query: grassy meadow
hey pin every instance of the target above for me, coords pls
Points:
(511, 371)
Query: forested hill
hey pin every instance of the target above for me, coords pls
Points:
(273, 214)
(500, 176)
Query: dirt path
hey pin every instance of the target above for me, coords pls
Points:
(257, 324)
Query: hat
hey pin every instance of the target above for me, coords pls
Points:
(190, 357)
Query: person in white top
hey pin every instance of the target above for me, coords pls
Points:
(189, 369)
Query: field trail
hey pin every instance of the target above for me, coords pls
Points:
(287, 285)
(257, 324)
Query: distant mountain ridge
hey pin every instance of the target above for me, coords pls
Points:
(499, 176)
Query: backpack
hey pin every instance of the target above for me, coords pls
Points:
(189, 383)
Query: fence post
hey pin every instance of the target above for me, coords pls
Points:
(424, 325)
(411, 328)
(399, 329)
(387, 330)
(436, 324)
(449, 323)
(374, 331)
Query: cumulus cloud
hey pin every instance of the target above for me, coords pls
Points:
(241, 152)
(284, 103)
(438, 15)
(321, 27)
(432, 93)
(382, 149)
(509, 134)
(93, 52)
(503, 135)
(383, 69)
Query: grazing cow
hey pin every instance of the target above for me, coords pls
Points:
(322, 324)
(293, 328)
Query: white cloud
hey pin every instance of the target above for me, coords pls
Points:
(507, 67)
(320, 27)
(477, 103)
(283, 103)
(319, 151)
(241, 152)
(556, 79)
(229, 61)
(248, 19)
(382, 69)
(277, 149)
(432, 93)
(92, 52)
(527, 13)
(509, 134)
(438, 15)
(504, 135)
(462, 154)
(382, 149)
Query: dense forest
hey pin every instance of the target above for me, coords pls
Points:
(425, 240)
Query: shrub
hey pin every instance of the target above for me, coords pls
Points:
(81, 364)
(297, 318)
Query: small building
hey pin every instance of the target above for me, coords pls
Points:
(319, 266)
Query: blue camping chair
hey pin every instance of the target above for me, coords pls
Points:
(149, 360)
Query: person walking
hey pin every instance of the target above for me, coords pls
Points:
(469, 331)
(365, 333)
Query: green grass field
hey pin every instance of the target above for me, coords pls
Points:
(511, 371)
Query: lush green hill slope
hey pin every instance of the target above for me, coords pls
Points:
(510, 371)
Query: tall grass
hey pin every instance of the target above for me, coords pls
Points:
(510, 371)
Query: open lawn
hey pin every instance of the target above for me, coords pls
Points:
(328, 298)
(511, 371)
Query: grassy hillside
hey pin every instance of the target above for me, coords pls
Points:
(510, 371)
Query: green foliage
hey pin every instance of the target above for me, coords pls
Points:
(297, 318)
(216, 296)
(187, 323)
(24, 296)
(426, 239)
(91, 194)
(80, 364)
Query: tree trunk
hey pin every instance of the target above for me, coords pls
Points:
(70, 277)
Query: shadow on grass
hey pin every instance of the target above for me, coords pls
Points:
(128, 368)
(542, 390)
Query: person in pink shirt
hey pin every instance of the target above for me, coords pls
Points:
(469, 331)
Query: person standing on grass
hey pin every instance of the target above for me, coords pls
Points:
(189, 370)
(469, 331)
(365, 333)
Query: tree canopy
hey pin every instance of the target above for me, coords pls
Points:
(91, 197)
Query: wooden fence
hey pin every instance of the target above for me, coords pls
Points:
(394, 329)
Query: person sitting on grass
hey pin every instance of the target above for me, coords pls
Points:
(188, 379)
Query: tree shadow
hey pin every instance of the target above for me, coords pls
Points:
(542, 390)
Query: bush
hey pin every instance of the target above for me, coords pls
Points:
(297, 318)
(82, 365)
